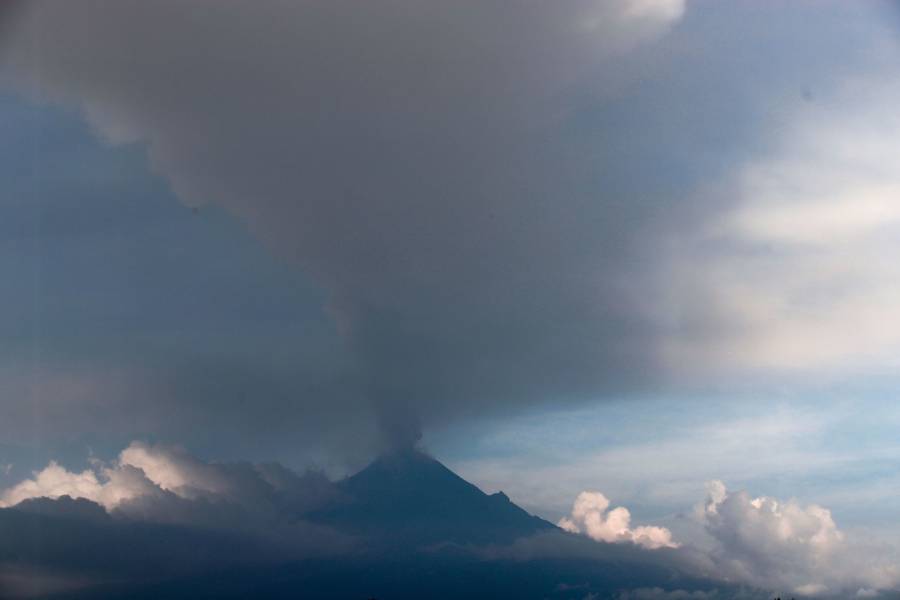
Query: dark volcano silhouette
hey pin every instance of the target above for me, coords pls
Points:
(416, 530)
(409, 498)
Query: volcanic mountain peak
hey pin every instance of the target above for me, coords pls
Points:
(408, 496)
(409, 471)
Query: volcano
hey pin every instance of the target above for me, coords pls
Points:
(410, 499)
(403, 528)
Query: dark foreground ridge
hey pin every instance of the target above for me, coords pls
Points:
(405, 527)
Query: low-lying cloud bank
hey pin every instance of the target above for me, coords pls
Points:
(156, 513)
(151, 482)
(762, 542)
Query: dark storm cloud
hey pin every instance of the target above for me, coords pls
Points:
(396, 151)
(484, 190)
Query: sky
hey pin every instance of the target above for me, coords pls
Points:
(630, 247)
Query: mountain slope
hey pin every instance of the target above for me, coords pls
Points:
(410, 498)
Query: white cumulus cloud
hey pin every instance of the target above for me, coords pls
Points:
(591, 516)
(769, 542)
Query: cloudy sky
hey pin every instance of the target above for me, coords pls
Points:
(624, 246)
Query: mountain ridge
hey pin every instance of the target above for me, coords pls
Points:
(410, 498)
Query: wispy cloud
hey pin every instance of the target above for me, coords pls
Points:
(656, 456)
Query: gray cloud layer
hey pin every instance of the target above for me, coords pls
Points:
(490, 194)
